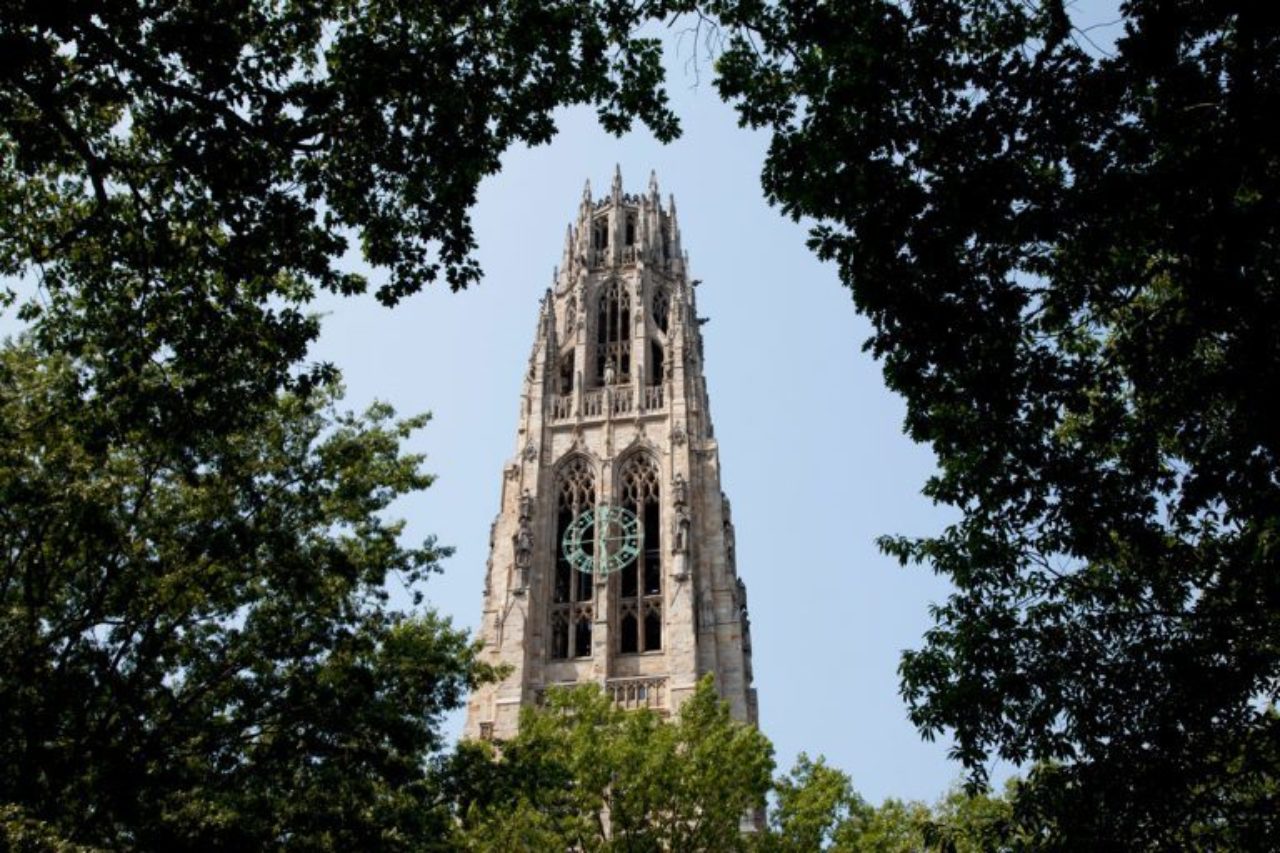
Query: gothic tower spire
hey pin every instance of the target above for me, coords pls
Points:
(612, 557)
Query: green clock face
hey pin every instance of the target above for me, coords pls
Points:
(602, 540)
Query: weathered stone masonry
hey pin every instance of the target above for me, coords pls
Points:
(614, 410)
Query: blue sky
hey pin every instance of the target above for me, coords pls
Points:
(811, 444)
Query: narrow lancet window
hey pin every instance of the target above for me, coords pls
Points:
(566, 373)
(661, 309)
(582, 636)
(639, 611)
(571, 590)
(652, 629)
(629, 642)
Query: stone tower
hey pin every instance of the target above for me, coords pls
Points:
(614, 411)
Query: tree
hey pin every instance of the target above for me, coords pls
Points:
(195, 645)
(584, 774)
(197, 650)
(815, 808)
(1069, 256)
(178, 178)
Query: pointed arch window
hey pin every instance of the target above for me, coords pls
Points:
(571, 590)
(661, 309)
(640, 584)
(613, 333)
(566, 373)
(657, 363)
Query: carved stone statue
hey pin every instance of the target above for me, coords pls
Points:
(681, 490)
(682, 530)
(524, 540)
(608, 373)
(524, 546)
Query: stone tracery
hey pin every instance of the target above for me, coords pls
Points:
(613, 333)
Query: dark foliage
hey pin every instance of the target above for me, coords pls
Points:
(1070, 259)
(178, 178)
(195, 646)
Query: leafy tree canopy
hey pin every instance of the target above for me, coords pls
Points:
(177, 178)
(200, 655)
(817, 808)
(196, 648)
(584, 774)
(1070, 259)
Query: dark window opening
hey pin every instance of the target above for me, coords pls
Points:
(652, 631)
(566, 374)
(563, 572)
(564, 569)
(655, 361)
(652, 552)
(652, 577)
(661, 309)
(559, 637)
(631, 230)
(640, 583)
(600, 234)
(630, 636)
(576, 494)
(582, 638)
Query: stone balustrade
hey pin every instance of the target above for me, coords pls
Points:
(643, 691)
(619, 401)
(602, 258)
(646, 691)
(653, 398)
